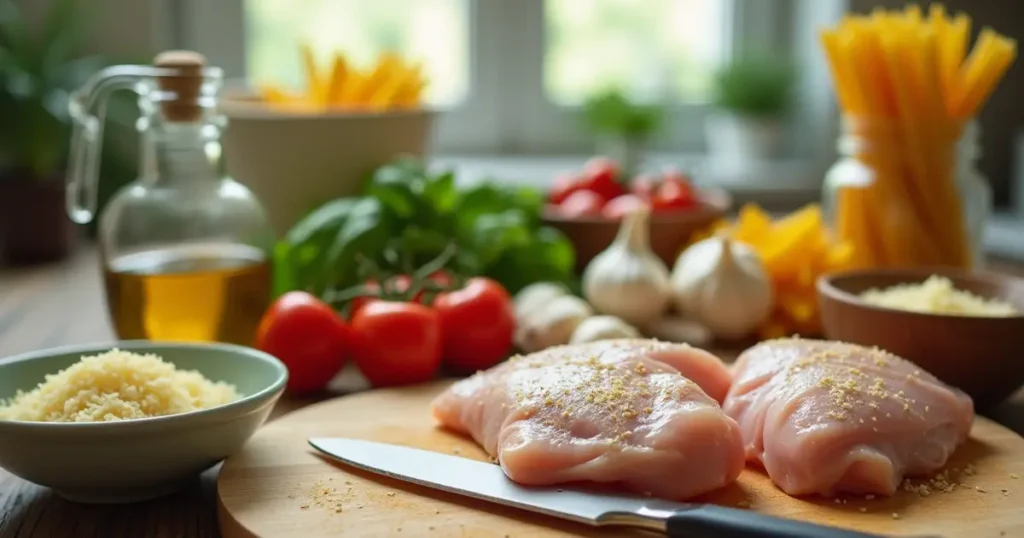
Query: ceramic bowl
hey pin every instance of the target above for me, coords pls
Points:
(669, 232)
(134, 460)
(980, 355)
(294, 161)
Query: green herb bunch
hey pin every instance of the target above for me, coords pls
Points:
(610, 112)
(38, 71)
(755, 86)
(408, 217)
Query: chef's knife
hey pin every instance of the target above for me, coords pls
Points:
(486, 481)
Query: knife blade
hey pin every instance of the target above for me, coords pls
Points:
(488, 482)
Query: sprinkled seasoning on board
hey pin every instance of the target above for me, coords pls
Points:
(944, 481)
(329, 498)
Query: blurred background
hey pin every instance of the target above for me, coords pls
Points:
(518, 85)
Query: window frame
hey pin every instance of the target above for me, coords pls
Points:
(506, 110)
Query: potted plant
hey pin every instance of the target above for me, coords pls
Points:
(38, 70)
(623, 128)
(752, 95)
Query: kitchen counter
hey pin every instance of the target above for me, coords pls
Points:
(62, 304)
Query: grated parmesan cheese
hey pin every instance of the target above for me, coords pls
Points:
(936, 295)
(117, 385)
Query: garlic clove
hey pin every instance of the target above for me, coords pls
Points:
(627, 279)
(552, 324)
(535, 296)
(596, 328)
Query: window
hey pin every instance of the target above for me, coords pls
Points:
(507, 76)
(651, 49)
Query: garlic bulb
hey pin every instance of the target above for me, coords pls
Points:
(597, 328)
(722, 285)
(535, 296)
(551, 324)
(627, 280)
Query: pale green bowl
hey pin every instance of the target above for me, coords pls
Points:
(135, 460)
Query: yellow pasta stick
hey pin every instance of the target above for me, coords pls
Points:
(997, 61)
(373, 81)
(336, 85)
(314, 86)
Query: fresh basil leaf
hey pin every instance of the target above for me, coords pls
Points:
(558, 252)
(366, 232)
(440, 192)
(494, 233)
(283, 279)
(549, 257)
(423, 241)
(324, 220)
(479, 200)
(397, 197)
(485, 198)
(407, 171)
(309, 241)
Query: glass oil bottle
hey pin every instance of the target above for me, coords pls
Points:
(185, 249)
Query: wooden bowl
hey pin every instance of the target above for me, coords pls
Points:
(980, 355)
(669, 232)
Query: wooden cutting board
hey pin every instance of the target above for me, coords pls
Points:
(278, 487)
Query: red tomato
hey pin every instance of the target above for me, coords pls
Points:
(600, 175)
(477, 323)
(673, 195)
(565, 185)
(622, 206)
(644, 186)
(396, 343)
(308, 336)
(674, 174)
(581, 203)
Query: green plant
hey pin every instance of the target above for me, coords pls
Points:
(755, 86)
(610, 112)
(409, 215)
(38, 70)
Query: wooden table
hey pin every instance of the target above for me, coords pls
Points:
(63, 304)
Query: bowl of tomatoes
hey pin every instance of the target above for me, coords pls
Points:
(588, 206)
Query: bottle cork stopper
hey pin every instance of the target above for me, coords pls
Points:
(185, 86)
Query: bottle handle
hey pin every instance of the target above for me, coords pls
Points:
(87, 135)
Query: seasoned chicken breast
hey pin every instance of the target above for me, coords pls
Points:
(636, 413)
(824, 417)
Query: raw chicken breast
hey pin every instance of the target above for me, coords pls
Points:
(824, 417)
(629, 412)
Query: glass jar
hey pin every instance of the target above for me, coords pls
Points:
(908, 198)
(185, 249)
(975, 191)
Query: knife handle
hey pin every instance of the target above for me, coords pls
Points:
(711, 521)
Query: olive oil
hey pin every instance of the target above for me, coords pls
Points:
(206, 292)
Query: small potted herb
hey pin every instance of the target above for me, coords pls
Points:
(623, 127)
(752, 97)
(37, 73)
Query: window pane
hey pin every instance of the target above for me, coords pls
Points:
(651, 49)
(434, 32)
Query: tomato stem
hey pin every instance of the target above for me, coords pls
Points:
(335, 297)
(420, 279)
(384, 285)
